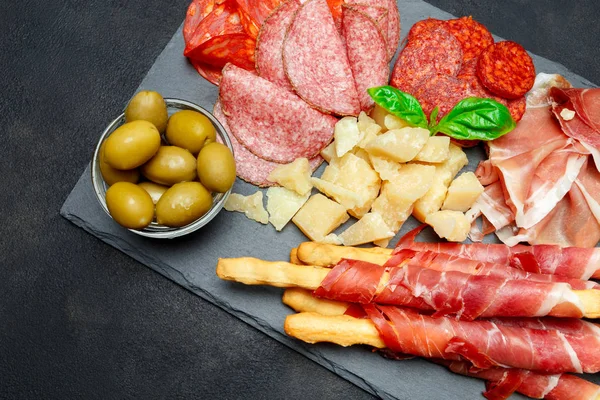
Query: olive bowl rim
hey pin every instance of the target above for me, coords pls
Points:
(155, 230)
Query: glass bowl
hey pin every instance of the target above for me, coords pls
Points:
(155, 230)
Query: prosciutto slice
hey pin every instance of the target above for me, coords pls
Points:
(503, 382)
(485, 344)
(571, 262)
(447, 262)
(448, 293)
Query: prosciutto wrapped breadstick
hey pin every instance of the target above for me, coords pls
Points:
(485, 344)
(327, 255)
(571, 262)
(466, 296)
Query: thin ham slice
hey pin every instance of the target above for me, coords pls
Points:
(571, 262)
(449, 292)
(485, 344)
(502, 382)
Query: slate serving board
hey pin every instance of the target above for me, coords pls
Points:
(190, 261)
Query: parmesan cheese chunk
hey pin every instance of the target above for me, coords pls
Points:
(382, 243)
(388, 170)
(369, 228)
(463, 192)
(251, 206)
(392, 122)
(366, 123)
(294, 176)
(451, 225)
(282, 205)
(332, 238)
(346, 135)
(356, 175)
(378, 115)
(444, 173)
(399, 145)
(436, 150)
(319, 216)
(328, 152)
(342, 195)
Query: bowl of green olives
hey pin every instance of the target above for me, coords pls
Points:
(164, 167)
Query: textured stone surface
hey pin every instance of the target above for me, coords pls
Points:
(80, 319)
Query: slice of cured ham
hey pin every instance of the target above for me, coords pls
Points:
(503, 382)
(250, 167)
(268, 120)
(450, 292)
(315, 61)
(572, 262)
(367, 53)
(484, 343)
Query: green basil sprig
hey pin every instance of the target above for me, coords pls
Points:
(400, 104)
(471, 119)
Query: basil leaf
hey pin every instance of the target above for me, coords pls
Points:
(433, 119)
(400, 104)
(476, 119)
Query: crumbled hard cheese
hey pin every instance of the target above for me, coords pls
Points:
(251, 206)
(346, 135)
(282, 205)
(436, 150)
(369, 228)
(451, 225)
(320, 216)
(399, 145)
(294, 176)
(463, 192)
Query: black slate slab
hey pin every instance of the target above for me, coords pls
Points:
(190, 261)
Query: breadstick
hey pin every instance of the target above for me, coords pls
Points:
(313, 253)
(302, 300)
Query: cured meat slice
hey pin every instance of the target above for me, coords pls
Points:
(446, 262)
(502, 382)
(271, 122)
(196, 12)
(249, 167)
(208, 72)
(393, 34)
(335, 7)
(237, 48)
(473, 36)
(378, 13)
(254, 12)
(484, 343)
(449, 292)
(571, 262)
(433, 52)
(224, 19)
(269, 45)
(506, 69)
(367, 53)
(424, 25)
(442, 91)
(315, 61)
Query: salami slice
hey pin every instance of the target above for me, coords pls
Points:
(196, 12)
(373, 8)
(208, 72)
(473, 36)
(424, 25)
(271, 122)
(432, 52)
(269, 45)
(249, 167)
(441, 91)
(506, 69)
(393, 35)
(224, 19)
(315, 61)
(335, 6)
(367, 53)
(237, 48)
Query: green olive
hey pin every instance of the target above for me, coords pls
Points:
(170, 165)
(190, 130)
(131, 145)
(216, 167)
(130, 205)
(148, 106)
(112, 175)
(154, 190)
(182, 204)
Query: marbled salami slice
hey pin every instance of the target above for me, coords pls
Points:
(315, 61)
(270, 121)
(473, 36)
(269, 45)
(373, 8)
(393, 36)
(249, 167)
(367, 53)
(441, 91)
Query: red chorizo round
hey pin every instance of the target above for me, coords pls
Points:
(425, 25)
(506, 70)
(442, 91)
(473, 36)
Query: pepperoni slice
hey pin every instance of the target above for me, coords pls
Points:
(473, 36)
(196, 12)
(517, 108)
(506, 69)
(237, 48)
(254, 12)
(441, 91)
(224, 19)
(208, 72)
(431, 52)
(335, 6)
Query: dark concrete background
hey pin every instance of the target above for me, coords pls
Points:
(78, 319)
